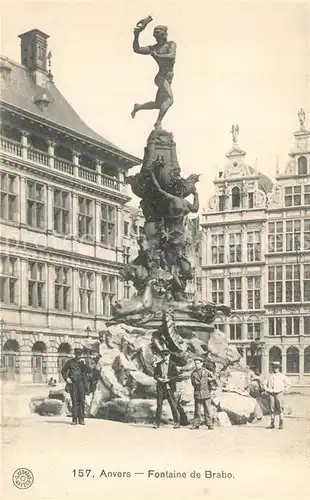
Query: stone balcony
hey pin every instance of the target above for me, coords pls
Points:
(17, 150)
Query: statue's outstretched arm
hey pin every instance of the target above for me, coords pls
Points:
(136, 46)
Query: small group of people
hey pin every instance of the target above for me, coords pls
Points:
(166, 375)
(81, 379)
(203, 381)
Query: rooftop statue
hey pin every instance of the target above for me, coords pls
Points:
(164, 53)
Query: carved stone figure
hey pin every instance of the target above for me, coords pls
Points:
(164, 53)
(302, 118)
(235, 133)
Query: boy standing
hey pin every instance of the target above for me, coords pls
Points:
(201, 380)
(277, 384)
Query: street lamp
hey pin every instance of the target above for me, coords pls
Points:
(88, 331)
(2, 323)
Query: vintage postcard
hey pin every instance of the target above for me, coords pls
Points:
(155, 249)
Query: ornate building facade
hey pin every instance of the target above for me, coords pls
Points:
(64, 220)
(256, 258)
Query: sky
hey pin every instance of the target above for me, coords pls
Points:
(238, 62)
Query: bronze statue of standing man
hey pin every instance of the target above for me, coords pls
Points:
(164, 53)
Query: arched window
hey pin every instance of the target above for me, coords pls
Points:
(307, 360)
(275, 355)
(292, 360)
(235, 197)
(302, 165)
(11, 359)
(38, 362)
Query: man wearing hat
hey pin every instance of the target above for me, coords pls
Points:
(75, 373)
(166, 374)
(201, 379)
(277, 385)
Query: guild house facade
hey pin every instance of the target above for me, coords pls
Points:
(256, 258)
(65, 228)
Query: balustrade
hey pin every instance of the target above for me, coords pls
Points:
(37, 156)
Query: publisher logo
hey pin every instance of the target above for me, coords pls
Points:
(23, 478)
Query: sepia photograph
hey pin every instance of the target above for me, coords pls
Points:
(155, 249)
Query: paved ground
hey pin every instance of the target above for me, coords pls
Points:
(264, 464)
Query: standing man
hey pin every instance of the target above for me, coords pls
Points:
(277, 384)
(164, 53)
(202, 382)
(75, 373)
(166, 374)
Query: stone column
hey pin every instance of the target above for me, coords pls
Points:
(50, 209)
(98, 301)
(244, 333)
(263, 241)
(24, 142)
(75, 291)
(226, 245)
(51, 153)
(97, 220)
(99, 165)
(120, 176)
(23, 283)
(226, 290)
(76, 161)
(23, 201)
(264, 286)
(119, 227)
(75, 211)
(50, 287)
(244, 248)
(301, 326)
(244, 295)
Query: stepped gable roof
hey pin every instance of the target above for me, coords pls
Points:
(20, 91)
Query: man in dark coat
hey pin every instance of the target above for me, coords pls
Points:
(201, 379)
(166, 374)
(75, 373)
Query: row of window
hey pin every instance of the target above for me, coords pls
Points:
(237, 196)
(253, 246)
(289, 236)
(252, 297)
(288, 326)
(285, 283)
(296, 196)
(62, 210)
(276, 327)
(63, 287)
